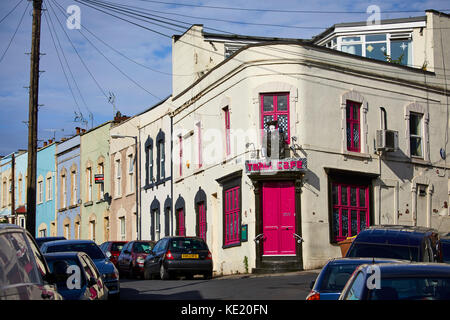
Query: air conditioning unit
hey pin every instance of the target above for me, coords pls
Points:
(386, 140)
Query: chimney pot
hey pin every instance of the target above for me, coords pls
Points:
(45, 143)
(77, 129)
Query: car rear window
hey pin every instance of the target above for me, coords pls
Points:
(336, 277)
(142, 247)
(412, 288)
(187, 244)
(91, 249)
(371, 250)
(58, 266)
(117, 246)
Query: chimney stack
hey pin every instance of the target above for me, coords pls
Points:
(45, 143)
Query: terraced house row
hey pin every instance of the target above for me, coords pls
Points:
(272, 150)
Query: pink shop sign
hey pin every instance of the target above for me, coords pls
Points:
(282, 165)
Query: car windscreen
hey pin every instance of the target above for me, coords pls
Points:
(412, 288)
(117, 246)
(142, 247)
(389, 251)
(91, 249)
(336, 277)
(179, 245)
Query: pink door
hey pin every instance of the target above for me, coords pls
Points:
(181, 227)
(278, 218)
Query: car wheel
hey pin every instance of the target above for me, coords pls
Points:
(147, 274)
(163, 272)
(207, 276)
(131, 274)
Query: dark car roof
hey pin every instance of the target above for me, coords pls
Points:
(388, 270)
(360, 260)
(394, 234)
(51, 238)
(64, 242)
(66, 254)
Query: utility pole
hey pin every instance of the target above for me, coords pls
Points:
(13, 188)
(33, 118)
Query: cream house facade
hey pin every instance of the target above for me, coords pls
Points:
(156, 203)
(260, 213)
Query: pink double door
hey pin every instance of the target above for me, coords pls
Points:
(278, 206)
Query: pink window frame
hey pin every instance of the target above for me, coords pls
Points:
(232, 216)
(226, 111)
(275, 113)
(181, 227)
(202, 220)
(348, 208)
(351, 123)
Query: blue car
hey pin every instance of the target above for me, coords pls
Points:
(88, 285)
(399, 281)
(106, 267)
(334, 275)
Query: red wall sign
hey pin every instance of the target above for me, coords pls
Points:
(260, 166)
(99, 178)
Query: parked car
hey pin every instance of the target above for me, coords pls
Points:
(335, 274)
(42, 240)
(445, 248)
(114, 248)
(106, 267)
(90, 284)
(399, 281)
(131, 259)
(24, 273)
(397, 242)
(172, 256)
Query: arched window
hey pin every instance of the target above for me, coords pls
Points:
(160, 157)
(200, 212)
(149, 161)
(167, 215)
(155, 226)
(180, 216)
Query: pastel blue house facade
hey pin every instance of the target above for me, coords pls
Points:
(45, 191)
(68, 188)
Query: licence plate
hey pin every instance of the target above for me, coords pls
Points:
(189, 256)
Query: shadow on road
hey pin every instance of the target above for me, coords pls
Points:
(133, 294)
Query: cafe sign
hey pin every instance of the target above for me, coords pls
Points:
(275, 166)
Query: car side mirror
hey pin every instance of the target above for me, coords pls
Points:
(108, 254)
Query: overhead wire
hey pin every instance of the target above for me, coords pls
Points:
(11, 11)
(77, 53)
(375, 68)
(51, 31)
(15, 32)
(117, 51)
(278, 10)
(115, 66)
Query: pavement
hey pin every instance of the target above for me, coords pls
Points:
(261, 275)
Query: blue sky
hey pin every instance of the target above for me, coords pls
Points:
(58, 114)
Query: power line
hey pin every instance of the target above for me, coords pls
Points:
(375, 68)
(120, 53)
(14, 35)
(280, 10)
(11, 11)
(117, 68)
(59, 58)
(78, 54)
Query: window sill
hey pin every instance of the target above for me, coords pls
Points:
(89, 203)
(73, 206)
(421, 161)
(231, 245)
(354, 154)
(179, 180)
(62, 209)
(198, 171)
